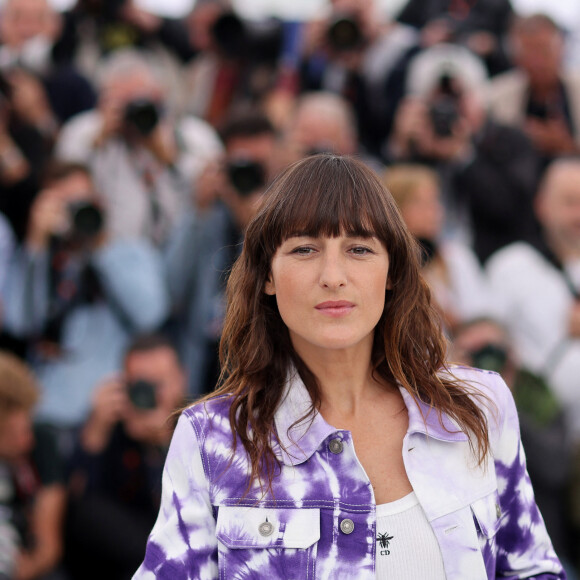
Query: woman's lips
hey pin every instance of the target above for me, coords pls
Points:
(335, 307)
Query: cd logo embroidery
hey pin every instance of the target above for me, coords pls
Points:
(383, 540)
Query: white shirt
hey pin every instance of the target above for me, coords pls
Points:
(403, 533)
(535, 302)
(463, 291)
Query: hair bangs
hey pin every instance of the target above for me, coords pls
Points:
(349, 204)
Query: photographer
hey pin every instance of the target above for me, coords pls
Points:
(140, 156)
(540, 95)
(116, 469)
(205, 245)
(488, 171)
(237, 60)
(29, 39)
(357, 53)
(26, 141)
(77, 296)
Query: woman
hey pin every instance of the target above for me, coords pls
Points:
(456, 280)
(331, 346)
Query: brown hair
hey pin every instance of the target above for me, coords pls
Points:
(18, 387)
(327, 195)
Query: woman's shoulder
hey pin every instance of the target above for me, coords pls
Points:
(207, 422)
(487, 388)
(209, 408)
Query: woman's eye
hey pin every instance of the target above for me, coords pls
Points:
(303, 250)
(361, 251)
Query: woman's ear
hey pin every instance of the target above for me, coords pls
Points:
(269, 287)
(389, 285)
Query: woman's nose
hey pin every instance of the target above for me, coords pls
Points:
(333, 271)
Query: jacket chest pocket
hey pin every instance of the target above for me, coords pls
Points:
(487, 516)
(267, 543)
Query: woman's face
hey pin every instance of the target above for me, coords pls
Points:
(330, 291)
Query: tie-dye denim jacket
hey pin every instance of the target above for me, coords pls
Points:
(320, 521)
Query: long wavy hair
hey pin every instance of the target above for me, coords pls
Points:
(329, 195)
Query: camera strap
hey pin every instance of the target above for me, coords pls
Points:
(150, 171)
(546, 251)
(558, 351)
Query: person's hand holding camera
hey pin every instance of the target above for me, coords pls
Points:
(208, 187)
(111, 107)
(48, 217)
(72, 216)
(110, 404)
(409, 121)
(427, 131)
(161, 142)
(137, 117)
(30, 102)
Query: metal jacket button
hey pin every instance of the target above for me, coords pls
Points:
(266, 529)
(497, 511)
(335, 446)
(347, 526)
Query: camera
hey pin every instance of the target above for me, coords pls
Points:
(143, 115)
(258, 41)
(344, 34)
(142, 394)
(444, 107)
(86, 218)
(246, 175)
(428, 250)
(491, 357)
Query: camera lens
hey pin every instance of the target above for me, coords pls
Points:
(142, 394)
(246, 175)
(344, 34)
(491, 357)
(143, 115)
(86, 218)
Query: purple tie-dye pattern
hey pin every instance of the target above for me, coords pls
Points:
(485, 518)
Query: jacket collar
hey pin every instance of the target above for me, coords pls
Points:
(299, 441)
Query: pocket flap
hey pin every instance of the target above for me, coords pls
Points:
(247, 527)
(487, 513)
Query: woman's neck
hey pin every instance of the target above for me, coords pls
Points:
(345, 380)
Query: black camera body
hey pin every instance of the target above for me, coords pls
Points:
(344, 34)
(142, 394)
(86, 218)
(246, 175)
(255, 41)
(444, 107)
(143, 115)
(443, 114)
(492, 357)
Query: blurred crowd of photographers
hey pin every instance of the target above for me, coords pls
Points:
(134, 151)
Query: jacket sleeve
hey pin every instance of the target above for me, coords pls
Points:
(524, 549)
(183, 544)
(181, 259)
(26, 293)
(131, 273)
